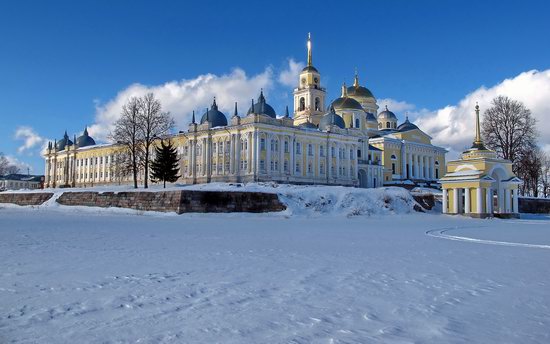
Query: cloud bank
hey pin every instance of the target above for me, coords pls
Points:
(453, 125)
(30, 138)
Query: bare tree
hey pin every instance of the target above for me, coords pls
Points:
(545, 175)
(6, 167)
(509, 129)
(121, 166)
(153, 123)
(529, 169)
(127, 133)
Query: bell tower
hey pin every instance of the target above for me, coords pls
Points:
(309, 96)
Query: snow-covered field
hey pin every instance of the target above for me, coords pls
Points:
(98, 276)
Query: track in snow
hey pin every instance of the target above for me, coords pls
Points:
(441, 233)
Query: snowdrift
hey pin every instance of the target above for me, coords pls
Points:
(306, 200)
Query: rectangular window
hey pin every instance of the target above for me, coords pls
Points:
(309, 168)
(321, 151)
(262, 144)
(298, 148)
(272, 165)
(310, 149)
(262, 165)
(286, 146)
(322, 169)
(393, 167)
(285, 165)
(333, 152)
(298, 167)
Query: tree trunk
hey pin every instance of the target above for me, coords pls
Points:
(146, 179)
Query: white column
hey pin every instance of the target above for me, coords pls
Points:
(268, 142)
(479, 201)
(455, 200)
(489, 200)
(403, 162)
(466, 200)
(515, 205)
(409, 158)
(507, 202)
(444, 200)
(416, 163)
(500, 200)
(422, 166)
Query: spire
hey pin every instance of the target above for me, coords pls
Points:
(407, 116)
(356, 80)
(309, 49)
(261, 99)
(286, 112)
(332, 109)
(344, 90)
(236, 113)
(193, 118)
(386, 107)
(252, 107)
(214, 105)
(74, 140)
(86, 131)
(66, 136)
(478, 143)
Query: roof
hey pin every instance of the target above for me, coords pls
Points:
(346, 103)
(22, 177)
(371, 147)
(310, 69)
(331, 118)
(406, 126)
(214, 116)
(262, 107)
(359, 91)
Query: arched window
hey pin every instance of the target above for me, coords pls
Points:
(357, 123)
(387, 124)
(317, 104)
(302, 104)
(394, 125)
(393, 157)
(437, 163)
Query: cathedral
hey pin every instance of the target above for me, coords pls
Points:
(348, 142)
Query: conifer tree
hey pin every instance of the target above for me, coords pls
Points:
(165, 166)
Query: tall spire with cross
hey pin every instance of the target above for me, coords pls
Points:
(309, 63)
(478, 143)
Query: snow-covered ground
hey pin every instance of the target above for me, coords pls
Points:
(97, 276)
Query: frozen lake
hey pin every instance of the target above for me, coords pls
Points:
(99, 277)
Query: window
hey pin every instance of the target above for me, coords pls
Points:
(393, 167)
(322, 169)
(276, 165)
(322, 151)
(393, 157)
(358, 153)
(298, 148)
(298, 167)
(437, 163)
(437, 173)
(215, 147)
(285, 166)
(309, 168)
(272, 165)
(317, 104)
(286, 146)
(387, 124)
(302, 104)
(333, 152)
(310, 149)
(262, 165)
(262, 144)
(357, 123)
(351, 153)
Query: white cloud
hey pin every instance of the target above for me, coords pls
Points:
(182, 97)
(453, 125)
(289, 76)
(394, 105)
(23, 166)
(29, 137)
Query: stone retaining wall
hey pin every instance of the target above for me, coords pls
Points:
(178, 201)
(534, 205)
(426, 201)
(25, 198)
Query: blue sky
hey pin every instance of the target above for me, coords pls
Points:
(60, 60)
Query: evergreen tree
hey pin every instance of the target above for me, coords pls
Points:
(165, 166)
